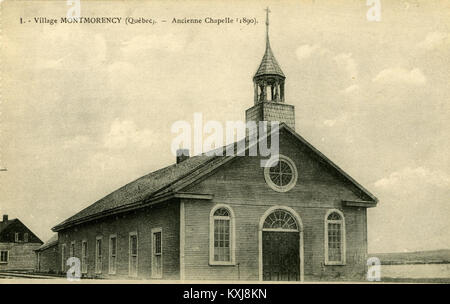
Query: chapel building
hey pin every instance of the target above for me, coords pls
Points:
(210, 217)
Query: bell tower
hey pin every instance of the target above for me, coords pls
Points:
(268, 82)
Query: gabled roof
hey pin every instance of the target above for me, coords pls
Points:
(12, 224)
(172, 179)
(333, 165)
(140, 189)
(4, 224)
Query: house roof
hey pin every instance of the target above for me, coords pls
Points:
(51, 242)
(13, 223)
(174, 178)
(4, 224)
(143, 187)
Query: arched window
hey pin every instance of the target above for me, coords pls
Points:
(334, 238)
(221, 245)
(280, 220)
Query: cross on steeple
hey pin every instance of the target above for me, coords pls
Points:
(268, 88)
(267, 24)
(269, 66)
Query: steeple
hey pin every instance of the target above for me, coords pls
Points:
(269, 65)
(269, 78)
(269, 103)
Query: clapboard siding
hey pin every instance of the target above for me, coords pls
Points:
(247, 219)
(165, 215)
(241, 185)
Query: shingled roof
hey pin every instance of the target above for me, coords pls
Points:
(4, 224)
(269, 65)
(10, 226)
(175, 177)
(142, 188)
(51, 242)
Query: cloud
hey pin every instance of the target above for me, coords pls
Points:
(400, 75)
(415, 176)
(50, 64)
(122, 74)
(340, 119)
(66, 59)
(306, 50)
(76, 142)
(100, 47)
(104, 161)
(137, 44)
(413, 212)
(351, 89)
(329, 122)
(125, 133)
(434, 40)
(346, 61)
(338, 62)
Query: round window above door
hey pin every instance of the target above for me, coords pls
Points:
(281, 173)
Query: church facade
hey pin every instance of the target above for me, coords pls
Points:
(210, 217)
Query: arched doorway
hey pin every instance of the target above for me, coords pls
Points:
(280, 245)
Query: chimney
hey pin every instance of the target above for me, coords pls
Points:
(5, 217)
(182, 155)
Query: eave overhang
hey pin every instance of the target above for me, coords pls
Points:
(134, 206)
(358, 203)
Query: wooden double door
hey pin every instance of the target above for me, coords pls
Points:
(281, 256)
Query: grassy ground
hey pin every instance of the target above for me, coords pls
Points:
(418, 257)
(419, 280)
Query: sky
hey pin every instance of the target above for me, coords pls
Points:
(87, 108)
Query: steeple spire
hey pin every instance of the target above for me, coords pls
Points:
(267, 27)
(268, 85)
(269, 65)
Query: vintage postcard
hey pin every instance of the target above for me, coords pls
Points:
(225, 141)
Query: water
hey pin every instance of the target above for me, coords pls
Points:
(416, 271)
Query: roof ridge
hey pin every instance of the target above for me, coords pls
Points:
(165, 180)
(4, 224)
(138, 196)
